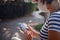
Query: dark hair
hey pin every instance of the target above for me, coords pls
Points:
(42, 1)
(46, 1)
(49, 1)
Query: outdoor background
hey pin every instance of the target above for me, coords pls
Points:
(13, 12)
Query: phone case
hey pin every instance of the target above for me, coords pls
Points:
(22, 26)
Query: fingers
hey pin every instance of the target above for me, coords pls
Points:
(29, 27)
(27, 36)
(30, 32)
(20, 30)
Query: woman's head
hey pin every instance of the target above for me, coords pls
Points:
(52, 5)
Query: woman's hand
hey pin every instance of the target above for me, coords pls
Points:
(28, 35)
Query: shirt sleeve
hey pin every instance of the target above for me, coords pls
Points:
(54, 23)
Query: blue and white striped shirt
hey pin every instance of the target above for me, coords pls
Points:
(53, 23)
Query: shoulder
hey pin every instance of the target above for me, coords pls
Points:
(54, 26)
(54, 17)
(54, 22)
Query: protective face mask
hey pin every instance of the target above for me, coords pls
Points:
(58, 1)
(42, 7)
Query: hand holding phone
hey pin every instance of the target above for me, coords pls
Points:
(26, 31)
(22, 26)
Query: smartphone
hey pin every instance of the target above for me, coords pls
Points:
(22, 26)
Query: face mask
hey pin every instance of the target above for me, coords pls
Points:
(42, 7)
(58, 1)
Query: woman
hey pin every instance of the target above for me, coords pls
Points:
(51, 29)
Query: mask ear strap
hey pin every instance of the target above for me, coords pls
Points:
(58, 1)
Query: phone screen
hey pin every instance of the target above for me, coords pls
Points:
(22, 26)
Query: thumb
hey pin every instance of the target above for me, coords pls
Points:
(30, 33)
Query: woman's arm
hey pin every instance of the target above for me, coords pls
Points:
(28, 35)
(36, 34)
(32, 33)
(53, 35)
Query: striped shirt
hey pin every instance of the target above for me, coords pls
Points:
(53, 23)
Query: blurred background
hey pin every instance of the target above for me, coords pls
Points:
(12, 12)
